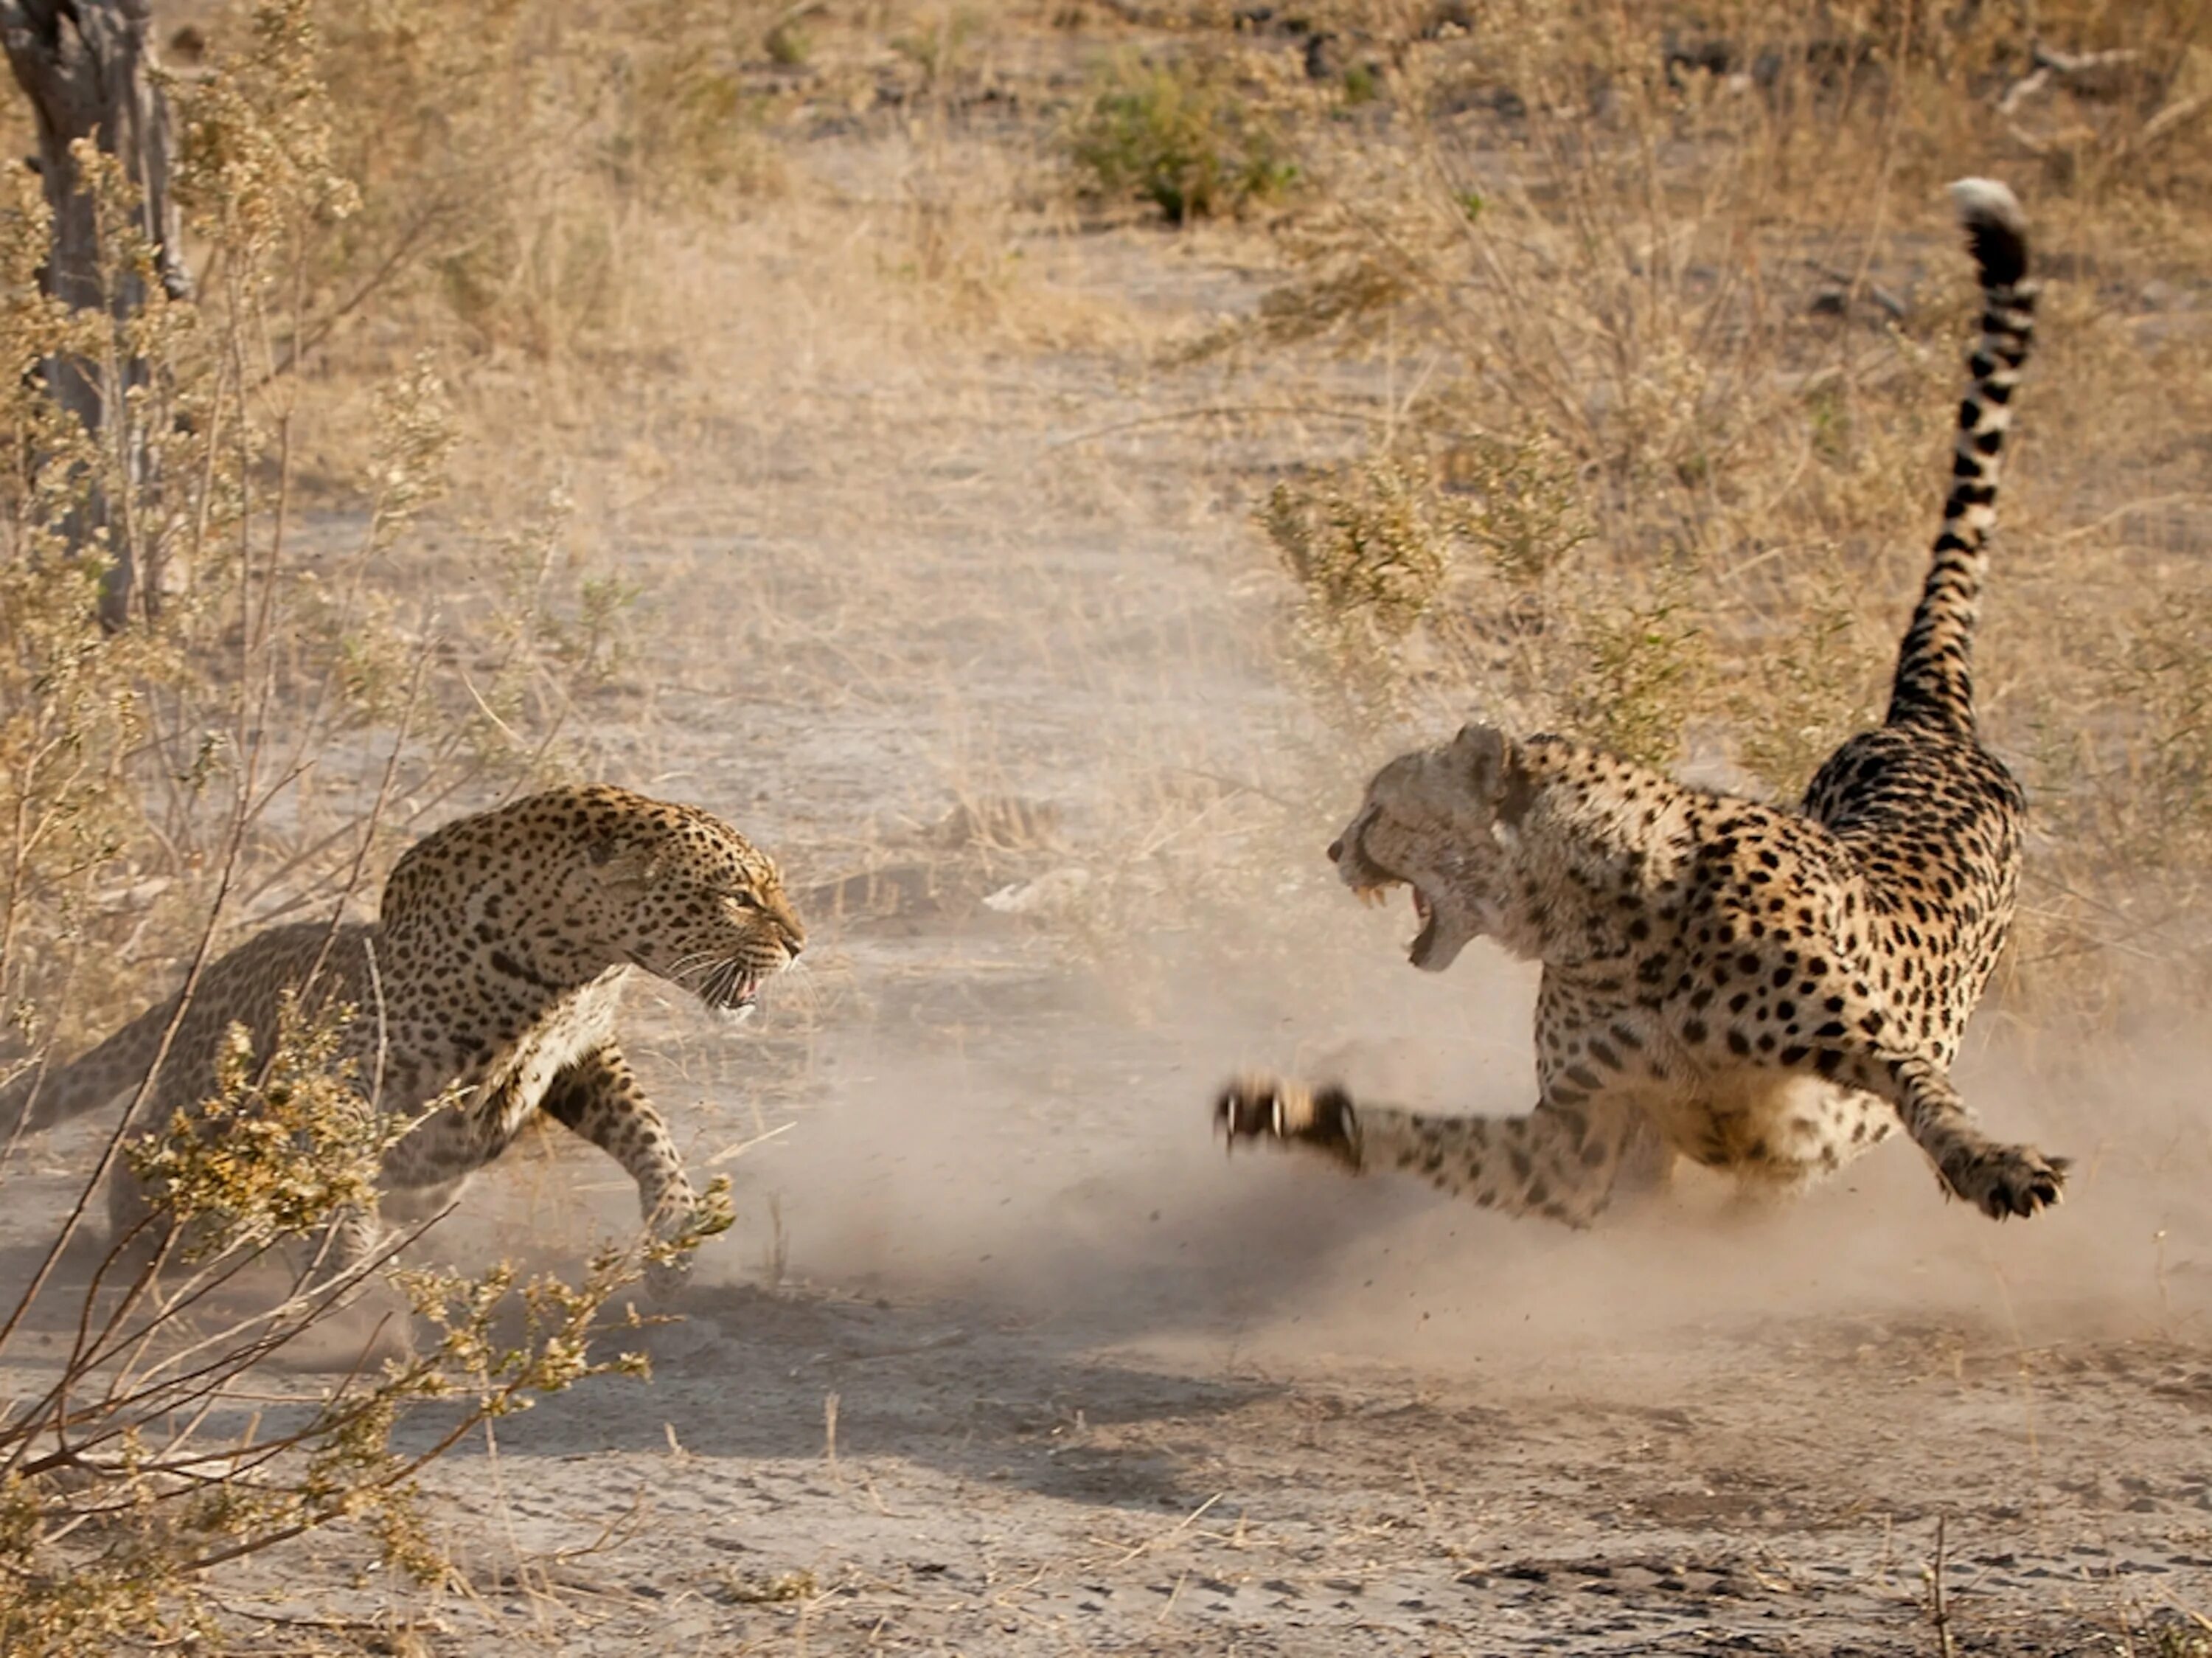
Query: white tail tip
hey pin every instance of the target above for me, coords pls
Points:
(1987, 201)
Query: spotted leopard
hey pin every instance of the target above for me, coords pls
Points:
(1765, 991)
(492, 972)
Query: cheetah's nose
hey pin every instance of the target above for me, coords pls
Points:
(1336, 851)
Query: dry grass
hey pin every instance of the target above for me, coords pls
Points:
(1665, 356)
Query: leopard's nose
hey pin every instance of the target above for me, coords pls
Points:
(1336, 851)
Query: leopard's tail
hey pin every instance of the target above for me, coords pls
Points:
(87, 1083)
(1935, 680)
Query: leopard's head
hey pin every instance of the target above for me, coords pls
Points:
(683, 895)
(1437, 821)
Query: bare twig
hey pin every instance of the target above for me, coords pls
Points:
(1939, 1613)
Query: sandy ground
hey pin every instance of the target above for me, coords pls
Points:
(1004, 1356)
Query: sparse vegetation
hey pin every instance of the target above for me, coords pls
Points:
(1180, 135)
(235, 751)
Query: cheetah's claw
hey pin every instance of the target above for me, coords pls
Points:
(2008, 1180)
(1261, 1107)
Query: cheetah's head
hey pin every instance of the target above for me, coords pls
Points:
(682, 894)
(1436, 820)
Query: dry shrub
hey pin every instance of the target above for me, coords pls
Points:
(287, 1139)
(1180, 135)
(1416, 600)
(237, 753)
(1646, 664)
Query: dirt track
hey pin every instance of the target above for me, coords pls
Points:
(1095, 1389)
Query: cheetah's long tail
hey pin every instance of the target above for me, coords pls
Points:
(1934, 679)
(87, 1083)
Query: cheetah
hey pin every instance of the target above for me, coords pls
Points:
(1765, 991)
(490, 977)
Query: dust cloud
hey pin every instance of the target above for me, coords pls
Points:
(1061, 1171)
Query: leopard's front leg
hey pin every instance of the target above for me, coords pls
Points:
(600, 1098)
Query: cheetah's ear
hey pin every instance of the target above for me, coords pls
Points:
(1493, 769)
(1482, 747)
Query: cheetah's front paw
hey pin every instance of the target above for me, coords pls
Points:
(2003, 1181)
(1256, 1106)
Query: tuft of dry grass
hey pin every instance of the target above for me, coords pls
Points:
(1180, 135)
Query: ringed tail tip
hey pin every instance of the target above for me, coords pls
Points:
(1996, 229)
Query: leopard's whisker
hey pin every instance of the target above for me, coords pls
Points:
(687, 963)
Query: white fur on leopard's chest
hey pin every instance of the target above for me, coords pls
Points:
(1770, 1127)
(520, 1077)
(503, 1090)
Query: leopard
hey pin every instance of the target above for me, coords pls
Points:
(483, 998)
(1763, 991)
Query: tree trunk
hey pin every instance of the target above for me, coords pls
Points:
(86, 66)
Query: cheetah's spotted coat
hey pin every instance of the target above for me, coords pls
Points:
(493, 969)
(1765, 991)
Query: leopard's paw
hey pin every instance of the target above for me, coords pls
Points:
(676, 1227)
(665, 1276)
(2003, 1181)
(1257, 1107)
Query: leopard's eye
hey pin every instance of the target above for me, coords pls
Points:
(745, 900)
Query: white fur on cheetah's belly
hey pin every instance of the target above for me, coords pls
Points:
(1773, 1129)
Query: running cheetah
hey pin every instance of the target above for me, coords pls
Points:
(1764, 992)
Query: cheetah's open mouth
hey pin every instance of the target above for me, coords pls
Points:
(1417, 951)
(1425, 913)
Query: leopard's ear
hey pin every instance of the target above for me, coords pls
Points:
(624, 867)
